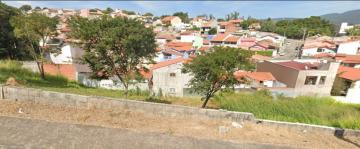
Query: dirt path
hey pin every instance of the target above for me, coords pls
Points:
(189, 127)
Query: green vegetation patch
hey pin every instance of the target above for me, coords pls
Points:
(311, 110)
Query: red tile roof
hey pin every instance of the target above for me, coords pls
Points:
(258, 76)
(349, 73)
(168, 18)
(296, 65)
(167, 63)
(232, 39)
(219, 37)
(350, 59)
(180, 46)
(204, 48)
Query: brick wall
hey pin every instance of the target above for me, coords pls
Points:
(66, 70)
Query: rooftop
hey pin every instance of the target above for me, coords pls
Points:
(349, 73)
(296, 65)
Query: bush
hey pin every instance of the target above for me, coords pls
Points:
(156, 100)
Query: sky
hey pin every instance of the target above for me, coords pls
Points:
(257, 9)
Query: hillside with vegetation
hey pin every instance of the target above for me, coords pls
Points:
(352, 17)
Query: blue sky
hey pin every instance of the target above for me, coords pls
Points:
(258, 9)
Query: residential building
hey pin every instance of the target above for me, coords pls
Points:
(173, 21)
(254, 79)
(302, 77)
(350, 47)
(193, 37)
(351, 76)
(348, 60)
(343, 27)
(168, 78)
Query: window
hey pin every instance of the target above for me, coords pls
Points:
(172, 90)
(322, 80)
(310, 80)
(320, 50)
(172, 74)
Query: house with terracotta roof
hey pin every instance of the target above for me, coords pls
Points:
(168, 78)
(315, 47)
(193, 37)
(254, 79)
(226, 40)
(229, 27)
(173, 21)
(302, 77)
(351, 76)
(348, 60)
(205, 28)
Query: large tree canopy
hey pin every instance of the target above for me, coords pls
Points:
(183, 16)
(32, 29)
(114, 46)
(8, 42)
(295, 28)
(214, 70)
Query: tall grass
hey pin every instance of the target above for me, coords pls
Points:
(58, 83)
(311, 110)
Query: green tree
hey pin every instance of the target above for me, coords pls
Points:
(108, 10)
(25, 8)
(232, 16)
(148, 14)
(183, 16)
(114, 46)
(268, 26)
(8, 42)
(37, 8)
(212, 31)
(32, 29)
(214, 70)
(355, 31)
(128, 12)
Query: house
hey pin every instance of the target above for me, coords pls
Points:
(173, 21)
(206, 27)
(246, 43)
(198, 21)
(254, 26)
(348, 60)
(351, 76)
(230, 26)
(350, 47)
(302, 77)
(168, 79)
(191, 36)
(162, 38)
(254, 79)
(259, 58)
(226, 40)
(315, 47)
(343, 27)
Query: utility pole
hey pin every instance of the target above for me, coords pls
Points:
(303, 43)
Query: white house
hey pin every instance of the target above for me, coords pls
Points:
(344, 26)
(352, 77)
(67, 55)
(349, 47)
(174, 21)
(168, 78)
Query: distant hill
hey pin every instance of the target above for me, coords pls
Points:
(352, 17)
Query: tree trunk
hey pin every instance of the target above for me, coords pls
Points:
(126, 90)
(41, 69)
(207, 98)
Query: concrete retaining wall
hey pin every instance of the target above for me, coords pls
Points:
(73, 100)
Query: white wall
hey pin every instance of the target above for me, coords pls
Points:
(350, 48)
(353, 94)
(170, 85)
(313, 51)
(64, 57)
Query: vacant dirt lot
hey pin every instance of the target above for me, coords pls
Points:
(193, 127)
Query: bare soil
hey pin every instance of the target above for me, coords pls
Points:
(193, 127)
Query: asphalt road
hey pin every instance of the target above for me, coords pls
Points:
(19, 133)
(289, 49)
